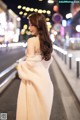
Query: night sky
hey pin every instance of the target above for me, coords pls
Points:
(64, 8)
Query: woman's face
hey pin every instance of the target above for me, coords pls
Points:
(33, 29)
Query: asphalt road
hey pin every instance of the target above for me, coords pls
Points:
(9, 56)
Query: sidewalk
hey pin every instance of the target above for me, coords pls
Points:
(70, 75)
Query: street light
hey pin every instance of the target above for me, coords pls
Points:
(78, 28)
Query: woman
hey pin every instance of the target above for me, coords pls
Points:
(36, 90)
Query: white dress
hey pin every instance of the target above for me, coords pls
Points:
(36, 91)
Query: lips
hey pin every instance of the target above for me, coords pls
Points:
(31, 31)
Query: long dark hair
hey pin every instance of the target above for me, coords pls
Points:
(38, 20)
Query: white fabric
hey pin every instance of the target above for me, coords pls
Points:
(36, 91)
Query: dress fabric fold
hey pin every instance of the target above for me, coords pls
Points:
(35, 96)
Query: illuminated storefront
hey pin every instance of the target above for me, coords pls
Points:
(3, 21)
(13, 31)
(9, 25)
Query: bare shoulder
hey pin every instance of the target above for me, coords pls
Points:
(30, 46)
(31, 40)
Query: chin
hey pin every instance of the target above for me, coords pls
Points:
(32, 33)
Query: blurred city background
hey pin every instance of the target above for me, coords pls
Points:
(63, 22)
(62, 17)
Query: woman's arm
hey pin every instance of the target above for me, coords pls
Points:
(30, 47)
